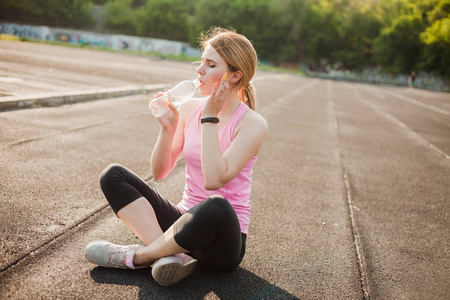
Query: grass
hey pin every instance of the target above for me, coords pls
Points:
(8, 37)
(280, 70)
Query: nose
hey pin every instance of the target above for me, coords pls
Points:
(200, 70)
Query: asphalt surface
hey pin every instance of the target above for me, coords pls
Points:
(350, 195)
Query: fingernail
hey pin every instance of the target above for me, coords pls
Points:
(215, 84)
(224, 76)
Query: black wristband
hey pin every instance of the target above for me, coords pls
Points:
(214, 120)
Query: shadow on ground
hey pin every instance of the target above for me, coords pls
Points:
(240, 284)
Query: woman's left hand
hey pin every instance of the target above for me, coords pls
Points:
(218, 95)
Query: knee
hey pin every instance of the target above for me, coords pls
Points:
(109, 174)
(219, 204)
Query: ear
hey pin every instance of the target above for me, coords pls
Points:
(236, 76)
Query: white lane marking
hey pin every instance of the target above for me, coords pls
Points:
(333, 106)
(296, 91)
(9, 79)
(396, 121)
(288, 96)
(415, 134)
(417, 102)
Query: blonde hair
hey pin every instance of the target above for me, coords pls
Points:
(238, 52)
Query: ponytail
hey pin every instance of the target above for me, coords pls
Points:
(248, 96)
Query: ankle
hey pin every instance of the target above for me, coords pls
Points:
(140, 258)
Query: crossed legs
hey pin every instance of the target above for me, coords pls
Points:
(140, 217)
(210, 231)
(130, 197)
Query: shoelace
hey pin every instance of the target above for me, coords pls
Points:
(117, 256)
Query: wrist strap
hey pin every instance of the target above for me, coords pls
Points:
(214, 120)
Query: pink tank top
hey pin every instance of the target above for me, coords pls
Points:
(237, 191)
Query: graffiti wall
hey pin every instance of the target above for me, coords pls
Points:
(30, 32)
(116, 42)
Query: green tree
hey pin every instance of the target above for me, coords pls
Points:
(323, 37)
(357, 28)
(398, 48)
(65, 13)
(330, 32)
(258, 20)
(121, 17)
(298, 22)
(165, 19)
(436, 56)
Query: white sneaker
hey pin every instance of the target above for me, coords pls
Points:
(110, 255)
(169, 270)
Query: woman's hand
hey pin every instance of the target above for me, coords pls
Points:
(168, 120)
(218, 95)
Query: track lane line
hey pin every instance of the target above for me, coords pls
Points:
(414, 101)
(396, 121)
(360, 257)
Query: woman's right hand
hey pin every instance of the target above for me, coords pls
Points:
(169, 144)
(169, 119)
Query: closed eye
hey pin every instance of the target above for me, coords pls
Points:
(211, 63)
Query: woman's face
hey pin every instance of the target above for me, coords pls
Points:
(211, 70)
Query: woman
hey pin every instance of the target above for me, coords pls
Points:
(220, 137)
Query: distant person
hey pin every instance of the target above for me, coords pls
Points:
(412, 79)
(220, 137)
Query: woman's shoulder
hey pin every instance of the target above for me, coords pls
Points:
(253, 124)
(253, 118)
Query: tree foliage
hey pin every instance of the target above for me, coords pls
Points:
(436, 37)
(397, 35)
(256, 19)
(121, 17)
(74, 13)
(164, 19)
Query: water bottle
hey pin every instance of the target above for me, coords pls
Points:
(177, 95)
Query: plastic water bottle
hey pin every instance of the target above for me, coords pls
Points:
(177, 95)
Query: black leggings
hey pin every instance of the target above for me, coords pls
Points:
(210, 230)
